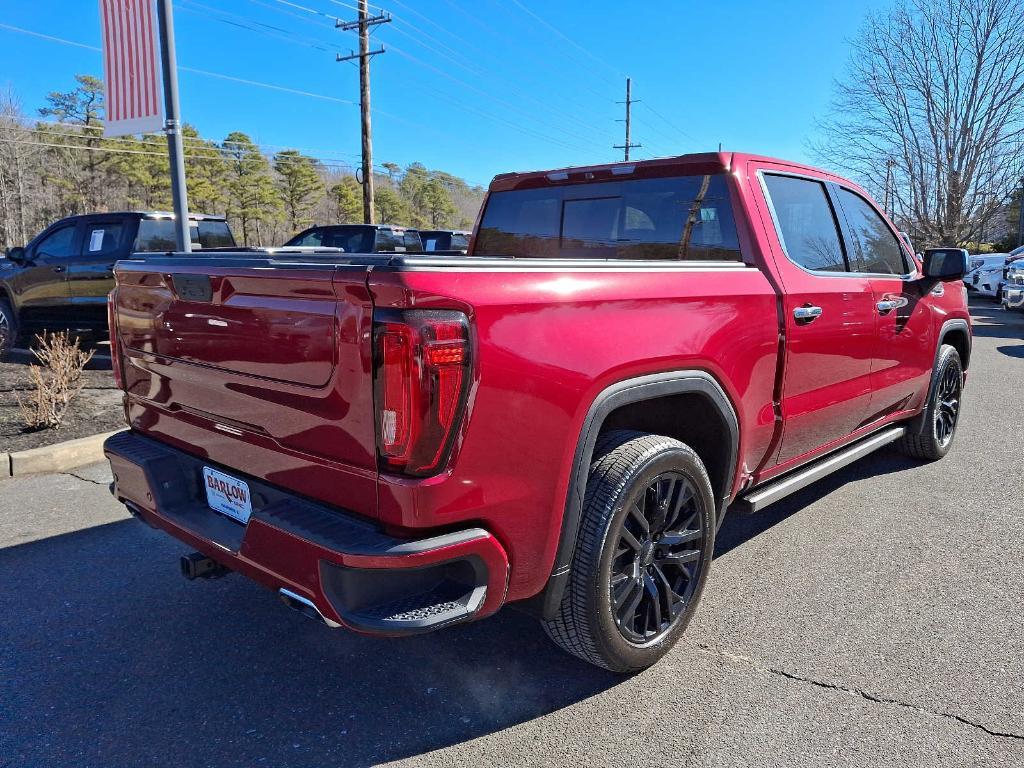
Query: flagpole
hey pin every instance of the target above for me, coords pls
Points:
(172, 126)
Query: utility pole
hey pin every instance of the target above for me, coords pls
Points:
(172, 124)
(363, 24)
(629, 102)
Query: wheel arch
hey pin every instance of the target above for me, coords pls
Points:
(641, 403)
(957, 333)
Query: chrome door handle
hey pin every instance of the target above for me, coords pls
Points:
(888, 305)
(806, 314)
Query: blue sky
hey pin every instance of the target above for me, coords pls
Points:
(479, 87)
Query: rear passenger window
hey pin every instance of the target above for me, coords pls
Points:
(389, 241)
(807, 224)
(879, 252)
(102, 239)
(156, 235)
(312, 239)
(412, 240)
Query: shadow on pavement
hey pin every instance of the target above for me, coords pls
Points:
(1012, 351)
(109, 657)
(992, 321)
(739, 527)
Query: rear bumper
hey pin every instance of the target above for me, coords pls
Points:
(353, 574)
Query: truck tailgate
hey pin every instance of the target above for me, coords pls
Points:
(259, 366)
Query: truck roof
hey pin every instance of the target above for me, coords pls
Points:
(150, 215)
(701, 162)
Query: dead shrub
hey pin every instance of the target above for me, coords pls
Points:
(55, 383)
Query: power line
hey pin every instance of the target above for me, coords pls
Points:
(270, 86)
(511, 87)
(192, 70)
(557, 32)
(225, 17)
(485, 94)
(670, 124)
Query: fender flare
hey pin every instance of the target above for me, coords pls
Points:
(916, 424)
(608, 400)
(956, 324)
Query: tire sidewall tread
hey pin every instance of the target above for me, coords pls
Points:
(920, 441)
(584, 626)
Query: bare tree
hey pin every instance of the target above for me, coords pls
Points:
(930, 114)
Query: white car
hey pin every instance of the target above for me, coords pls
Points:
(986, 274)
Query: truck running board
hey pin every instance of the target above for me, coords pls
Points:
(761, 497)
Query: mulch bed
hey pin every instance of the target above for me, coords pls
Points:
(96, 409)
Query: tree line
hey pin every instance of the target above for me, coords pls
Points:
(58, 164)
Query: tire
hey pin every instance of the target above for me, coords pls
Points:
(637, 480)
(8, 329)
(931, 435)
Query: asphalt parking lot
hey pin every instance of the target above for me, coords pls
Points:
(874, 619)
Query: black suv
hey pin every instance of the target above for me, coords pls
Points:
(60, 280)
(359, 238)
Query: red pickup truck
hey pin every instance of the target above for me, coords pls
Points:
(559, 418)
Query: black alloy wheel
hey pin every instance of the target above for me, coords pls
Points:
(947, 410)
(658, 556)
(643, 552)
(930, 435)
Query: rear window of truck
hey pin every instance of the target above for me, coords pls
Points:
(685, 218)
(157, 235)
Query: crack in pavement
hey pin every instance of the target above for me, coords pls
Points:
(85, 479)
(877, 699)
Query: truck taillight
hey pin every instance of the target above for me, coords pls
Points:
(115, 344)
(421, 380)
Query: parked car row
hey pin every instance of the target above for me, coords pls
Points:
(1013, 285)
(60, 280)
(989, 272)
(381, 238)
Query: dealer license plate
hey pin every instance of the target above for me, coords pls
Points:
(227, 495)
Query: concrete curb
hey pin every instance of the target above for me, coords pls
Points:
(54, 458)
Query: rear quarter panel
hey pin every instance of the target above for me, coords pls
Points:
(547, 341)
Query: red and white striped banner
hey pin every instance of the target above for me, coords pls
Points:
(131, 67)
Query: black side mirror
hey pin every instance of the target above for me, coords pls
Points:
(17, 255)
(945, 263)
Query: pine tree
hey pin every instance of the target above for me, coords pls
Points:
(348, 198)
(252, 196)
(300, 185)
(435, 204)
(206, 173)
(391, 208)
(83, 106)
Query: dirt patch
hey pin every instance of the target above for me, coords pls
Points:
(96, 409)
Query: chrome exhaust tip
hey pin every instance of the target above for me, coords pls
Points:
(305, 606)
